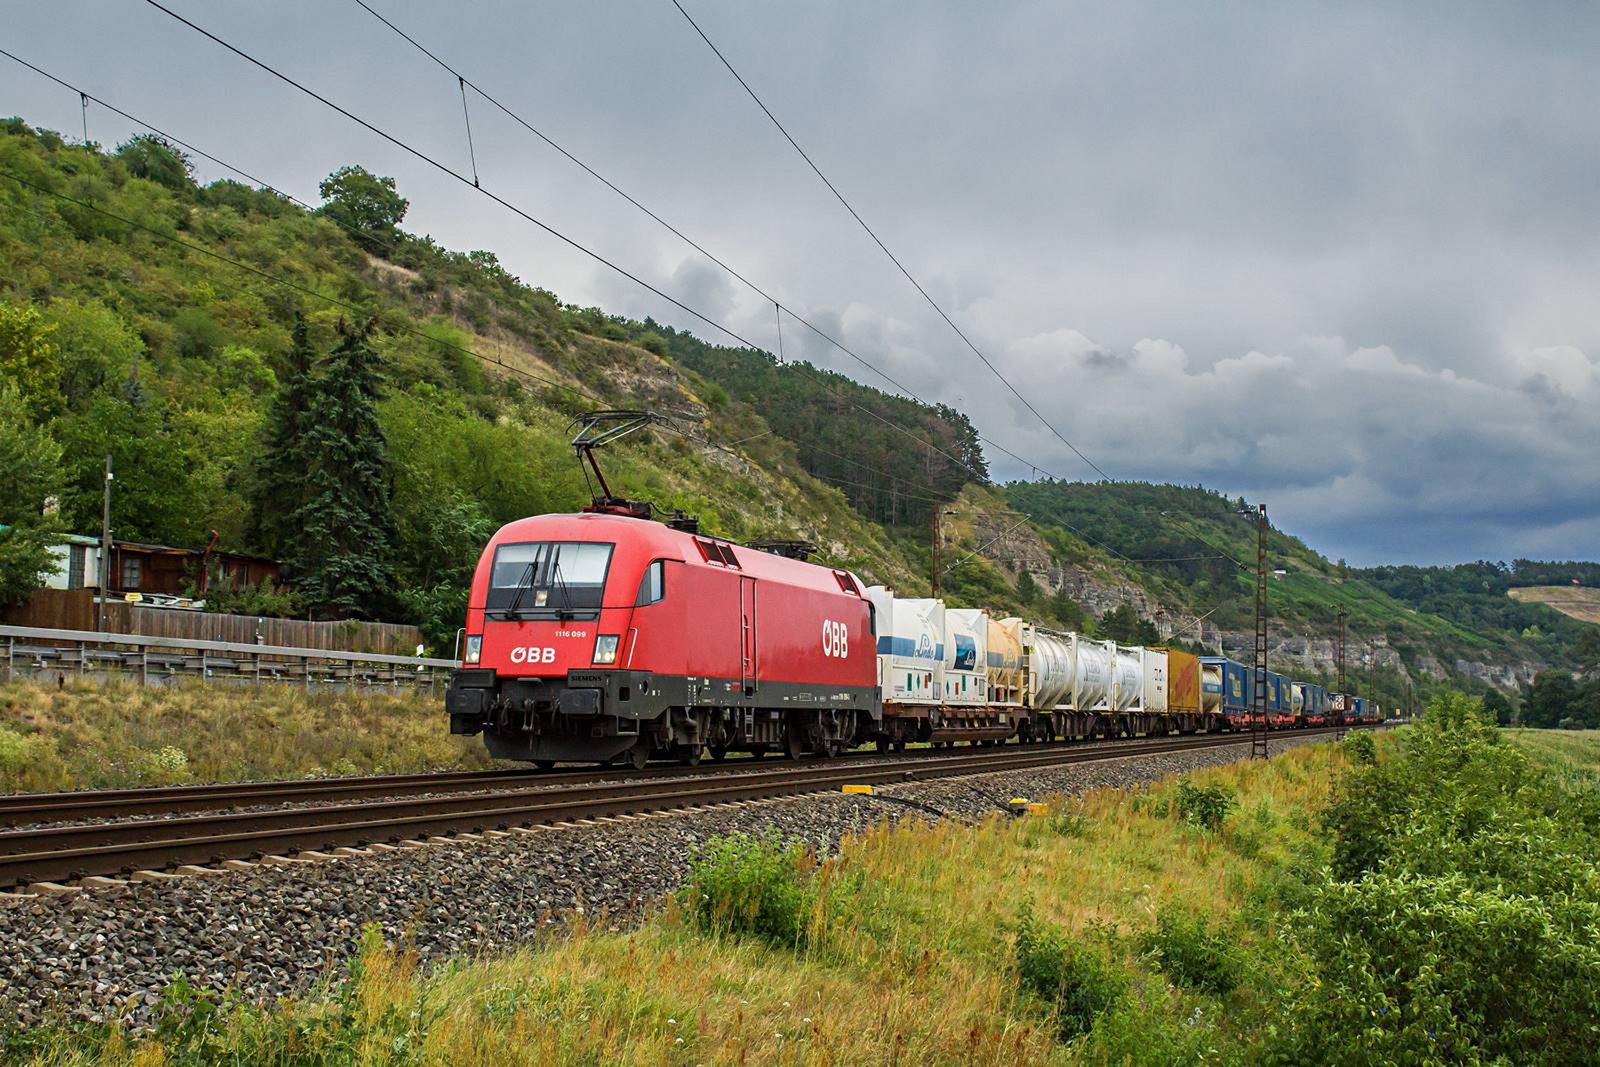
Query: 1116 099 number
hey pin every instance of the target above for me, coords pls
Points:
(835, 639)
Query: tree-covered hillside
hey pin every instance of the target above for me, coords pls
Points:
(1192, 546)
(121, 333)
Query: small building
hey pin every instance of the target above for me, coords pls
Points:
(155, 572)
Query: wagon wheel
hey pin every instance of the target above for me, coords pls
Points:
(718, 753)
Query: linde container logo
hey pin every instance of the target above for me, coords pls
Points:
(925, 646)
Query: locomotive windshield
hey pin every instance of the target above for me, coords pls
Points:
(548, 579)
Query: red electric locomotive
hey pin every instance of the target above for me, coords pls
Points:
(608, 637)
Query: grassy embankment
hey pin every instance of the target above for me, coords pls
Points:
(1432, 898)
(905, 954)
(87, 735)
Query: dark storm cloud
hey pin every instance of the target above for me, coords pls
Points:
(1338, 257)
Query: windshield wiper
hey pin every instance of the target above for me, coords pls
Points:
(565, 611)
(523, 585)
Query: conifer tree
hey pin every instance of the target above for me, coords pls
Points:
(339, 553)
(278, 489)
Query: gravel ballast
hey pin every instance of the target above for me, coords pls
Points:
(271, 931)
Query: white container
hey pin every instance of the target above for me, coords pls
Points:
(1050, 673)
(1127, 691)
(1154, 669)
(966, 656)
(911, 647)
(1298, 699)
(1093, 682)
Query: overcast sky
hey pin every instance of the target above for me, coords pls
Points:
(1340, 258)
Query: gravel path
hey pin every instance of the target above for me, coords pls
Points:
(275, 930)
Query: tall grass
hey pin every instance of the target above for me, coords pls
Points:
(86, 735)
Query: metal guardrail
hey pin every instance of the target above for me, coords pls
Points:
(153, 659)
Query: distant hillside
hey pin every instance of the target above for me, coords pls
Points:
(1190, 547)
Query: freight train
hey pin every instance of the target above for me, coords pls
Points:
(606, 637)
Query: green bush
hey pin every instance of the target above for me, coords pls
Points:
(1204, 806)
(751, 885)
(1459, 922)
(1192, 954)
(1076, 982)
(1360, 748)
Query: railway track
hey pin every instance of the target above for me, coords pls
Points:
(19, 809)
(64, 853)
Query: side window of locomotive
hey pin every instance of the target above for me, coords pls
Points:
(872, 620)
(653, 586)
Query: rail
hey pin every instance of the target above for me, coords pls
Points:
(154, 660)
(65, 852)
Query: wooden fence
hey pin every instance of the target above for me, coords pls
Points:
(76, 609)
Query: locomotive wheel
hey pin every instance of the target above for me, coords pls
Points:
(793, 744)
(544, 764)
(831, 749)
(637, 756)
(718, 753)
(690, 756)
(884, 744)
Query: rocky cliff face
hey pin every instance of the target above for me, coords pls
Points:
(1099, 590)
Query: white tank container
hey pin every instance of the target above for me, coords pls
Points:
(1154, 669)
(1050, 673)
(1211, 688)
(966, 656)
(911, 652)
(1128, 687)
(1298, 703)
(1093, 683)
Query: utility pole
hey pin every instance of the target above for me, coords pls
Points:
(938, 513)
(1258, 731)
(1372, 671)
(105, 545)
(1344, 695)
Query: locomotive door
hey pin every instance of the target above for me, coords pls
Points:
(747, 634)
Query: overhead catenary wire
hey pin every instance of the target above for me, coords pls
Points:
(885, 248)
(546, 227)
(778, 305)
(287, 283)
(444, 168)
(370, 235)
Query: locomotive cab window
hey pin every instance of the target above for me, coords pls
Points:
(548, 579)
(652, 587)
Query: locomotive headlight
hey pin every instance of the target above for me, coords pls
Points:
(605, 648)
(474, 650)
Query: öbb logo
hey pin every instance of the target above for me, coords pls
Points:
(835, 639)
(529, 654)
